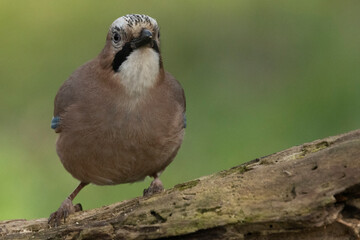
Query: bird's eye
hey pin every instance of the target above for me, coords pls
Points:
(116, 37)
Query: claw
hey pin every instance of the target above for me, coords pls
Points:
(78, 207)
(66, 214)
(156, 186)
(66, 208)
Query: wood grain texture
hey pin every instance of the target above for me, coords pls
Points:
(310, 191)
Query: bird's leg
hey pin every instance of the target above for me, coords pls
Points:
(66, 208)
(156, 186)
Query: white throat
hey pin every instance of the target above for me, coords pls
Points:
(140, 71)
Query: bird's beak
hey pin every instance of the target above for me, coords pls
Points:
(145, 38)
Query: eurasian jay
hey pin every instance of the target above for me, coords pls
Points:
(120, 117)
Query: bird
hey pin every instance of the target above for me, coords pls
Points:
(120, 117)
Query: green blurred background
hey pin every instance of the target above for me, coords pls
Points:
(259, 77)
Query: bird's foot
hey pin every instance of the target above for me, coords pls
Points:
(66, 208)
(156, 186)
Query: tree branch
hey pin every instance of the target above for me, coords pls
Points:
(310, 191)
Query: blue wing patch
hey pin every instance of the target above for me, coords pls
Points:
(184, 120)
(55, 122)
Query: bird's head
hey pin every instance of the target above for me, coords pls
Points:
(131, 33)
(132, 50)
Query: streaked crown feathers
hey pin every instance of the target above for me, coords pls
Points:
(134, 20)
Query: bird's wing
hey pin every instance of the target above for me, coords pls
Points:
(64, 98)
(55, 122)
(178, 94)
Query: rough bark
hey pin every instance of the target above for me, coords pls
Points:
(310, 191)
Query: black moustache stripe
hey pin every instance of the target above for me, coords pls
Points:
(122, 55)
(155, 47)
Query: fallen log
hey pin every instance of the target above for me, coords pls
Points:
(310, 191)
